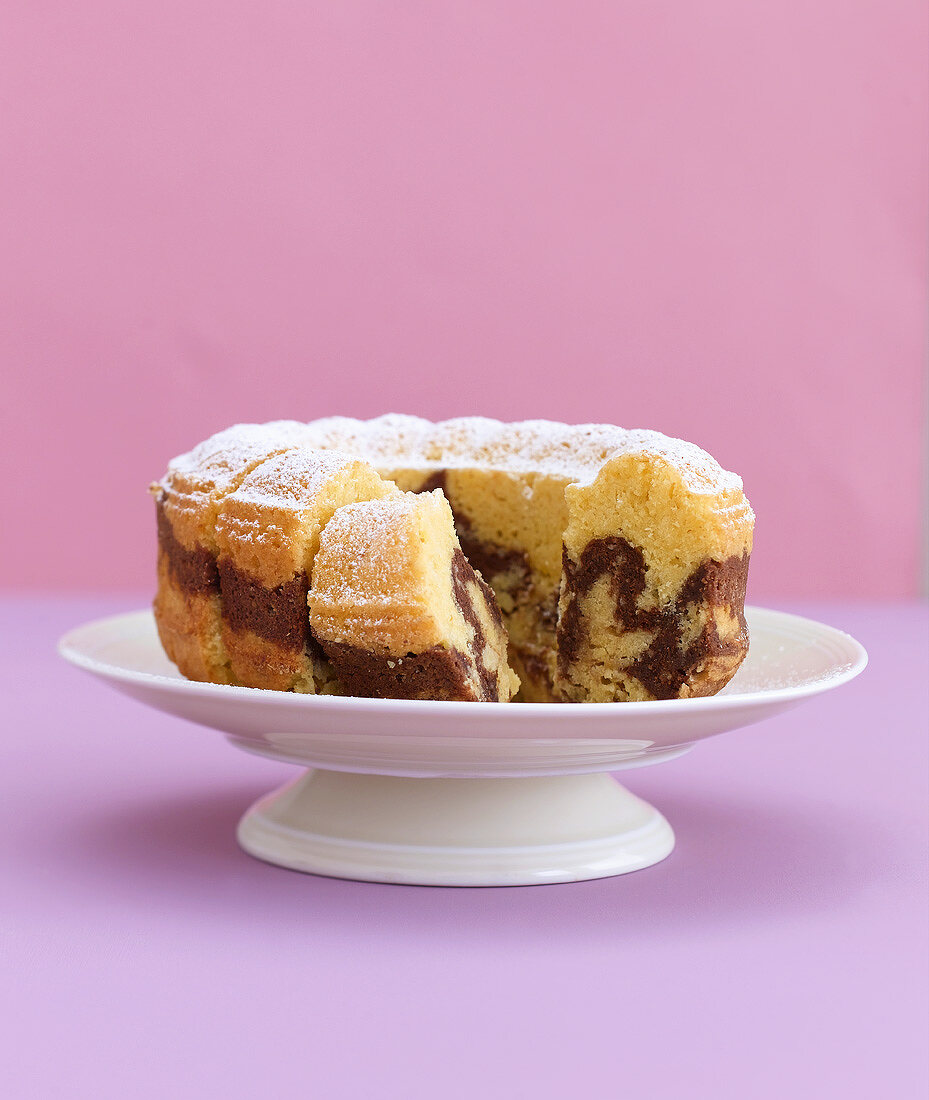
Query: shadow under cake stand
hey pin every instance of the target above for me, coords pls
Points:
(465, 794)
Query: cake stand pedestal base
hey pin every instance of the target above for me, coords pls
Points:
(456, 832)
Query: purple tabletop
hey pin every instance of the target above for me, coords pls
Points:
(781, 950)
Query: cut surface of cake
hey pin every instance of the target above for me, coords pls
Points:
(399, 611)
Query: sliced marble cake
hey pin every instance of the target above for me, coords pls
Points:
(398, 610)
(267, 535)
(618, 558)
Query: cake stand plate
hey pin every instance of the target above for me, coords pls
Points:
(465, 794)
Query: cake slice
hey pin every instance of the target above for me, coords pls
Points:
(399, 611)
(267, 534)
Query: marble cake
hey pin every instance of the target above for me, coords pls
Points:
(618, 558)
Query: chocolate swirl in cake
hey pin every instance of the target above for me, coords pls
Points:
(194, 571)
(279, 614)
(665, 665)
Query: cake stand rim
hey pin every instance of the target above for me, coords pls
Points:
(69, 648)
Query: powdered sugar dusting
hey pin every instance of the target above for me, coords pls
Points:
(361, 546)
(292, 477)
(575, 452)
(219, 460)
(394, 436)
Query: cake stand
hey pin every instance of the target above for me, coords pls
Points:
(465, 794)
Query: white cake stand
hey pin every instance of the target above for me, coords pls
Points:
(465, 794)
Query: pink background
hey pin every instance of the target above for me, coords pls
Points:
(707, 219)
